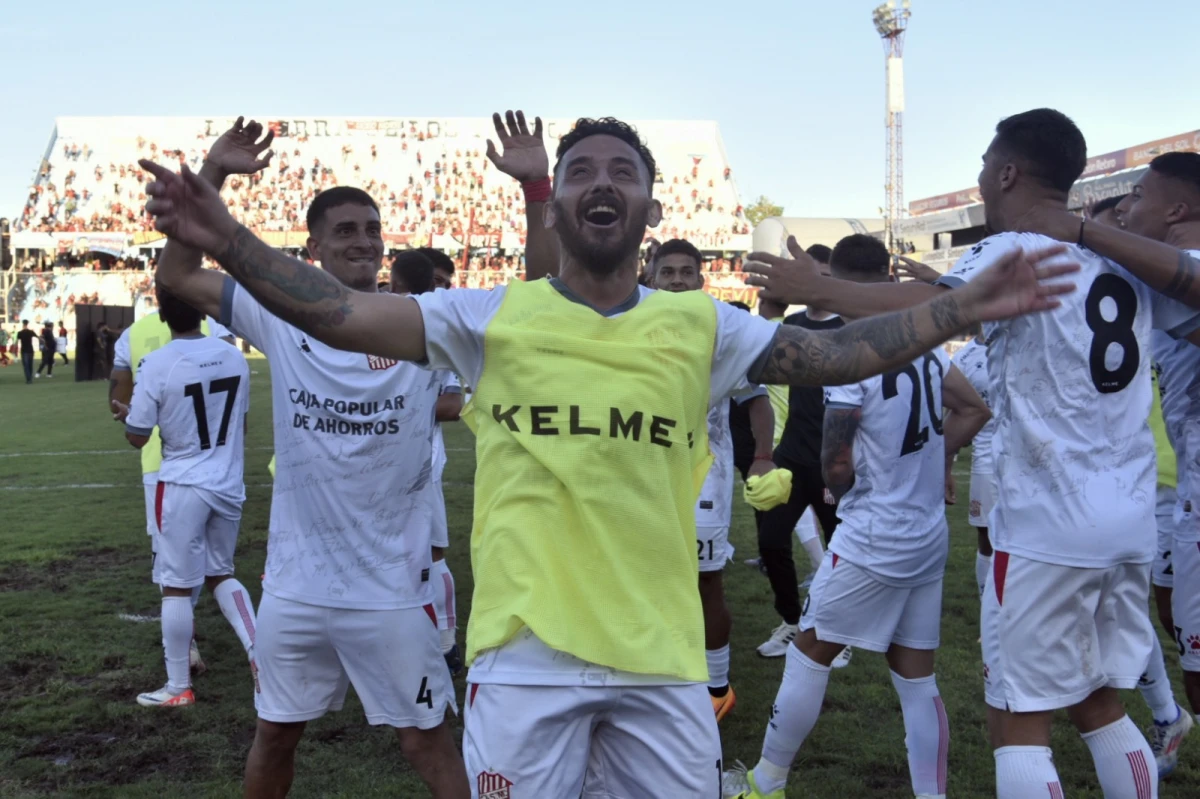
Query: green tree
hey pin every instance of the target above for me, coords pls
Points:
(762, 209)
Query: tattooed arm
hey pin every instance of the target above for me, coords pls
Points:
(837, 448)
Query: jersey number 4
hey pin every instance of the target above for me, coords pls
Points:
(196, 391)
(1105, 333)
(915, 436)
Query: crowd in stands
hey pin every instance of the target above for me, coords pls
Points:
(424, 186)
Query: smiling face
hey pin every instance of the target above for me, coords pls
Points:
(602, 204)
(348, 242)
(1150, 208)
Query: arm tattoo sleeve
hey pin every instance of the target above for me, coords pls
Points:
(1185, 274)
(837, 449)
(299, 293)
(862, 349)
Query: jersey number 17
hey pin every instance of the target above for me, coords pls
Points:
(229, 385)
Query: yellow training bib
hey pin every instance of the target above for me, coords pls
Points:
(592, 446)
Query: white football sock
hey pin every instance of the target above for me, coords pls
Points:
(1155, 687)
(926, 733)
(196, 594)
(235, 603)
(177, 640)
(793, 716)
(983, 564)
(443, 602)
(1025, 771)
(1125, 765)
(810, 537)
(718, 667)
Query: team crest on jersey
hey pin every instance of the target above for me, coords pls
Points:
(377, 363)
(494, 786)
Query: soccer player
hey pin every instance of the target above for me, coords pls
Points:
(196, 391)
(677, 267)
(586, 638)
(1064, 612)
(416, 272)
(971, 360)
(884, 450)
(347, 597)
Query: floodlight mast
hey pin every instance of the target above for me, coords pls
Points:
(891, 21)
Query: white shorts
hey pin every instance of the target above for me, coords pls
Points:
(1185, 603)
(848, 605)
(193, 540)
(149, 489)
(439, 533)
(1163, 575)
(713, 548)
(538, 742)
(307, 656)
(1053, 635)
(983, 498)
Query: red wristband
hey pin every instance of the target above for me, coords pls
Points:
(536, 191)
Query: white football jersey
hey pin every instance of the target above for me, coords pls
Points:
(971, 360)
(197, 391)
(714, 508)
(893, 519)
(1070, 391)
(349, 525)
(450, 384)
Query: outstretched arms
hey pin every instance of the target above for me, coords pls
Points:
(1010, 287)
(524, 158)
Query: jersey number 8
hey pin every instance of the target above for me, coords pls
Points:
(1105, 333)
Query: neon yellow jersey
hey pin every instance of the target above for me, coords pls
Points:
(145, 336)
(592, 446)
(779, 402)
(1167, 467)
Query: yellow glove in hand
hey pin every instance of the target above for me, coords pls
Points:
(769, 490)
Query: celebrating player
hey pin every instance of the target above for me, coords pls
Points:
(590, 417)
(677, 267)
(347, 597)
(884, 449)
(196, 391)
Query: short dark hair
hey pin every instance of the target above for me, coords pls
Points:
(1181, 166)
(606, 126)
(24, 321)
(1048, 142)
(819, 253)
(178, 315)
(677, 247)
(438, 258)
(414, 270)
(860, 254)
(1107, 204)
(332, 198)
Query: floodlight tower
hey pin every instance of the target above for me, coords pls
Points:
(891, 20)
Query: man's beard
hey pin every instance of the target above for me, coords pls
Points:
(599, 257)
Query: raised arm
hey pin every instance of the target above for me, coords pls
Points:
(236, 152)
(524, 158)
(187, 208)
(803, 284)
(1012, 286)
(1164, 268)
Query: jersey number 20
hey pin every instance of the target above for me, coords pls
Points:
(916, 436)
(196, 391)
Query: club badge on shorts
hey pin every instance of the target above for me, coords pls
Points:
(494, 786)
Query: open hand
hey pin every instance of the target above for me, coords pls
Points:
(789, 280)
(238, 150)
(914, 270)
(188, 209)
(524, 156)
(1017, 285)
(120, 411)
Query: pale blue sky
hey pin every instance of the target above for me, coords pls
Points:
(797, 87)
